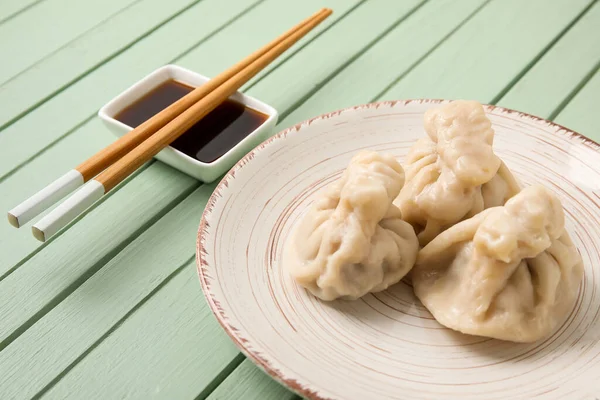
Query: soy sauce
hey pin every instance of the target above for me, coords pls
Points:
(212, 136)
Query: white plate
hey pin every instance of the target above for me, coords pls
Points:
(387, 345)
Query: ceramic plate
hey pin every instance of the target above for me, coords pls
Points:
(387, 345)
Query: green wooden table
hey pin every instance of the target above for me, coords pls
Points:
(111, 308)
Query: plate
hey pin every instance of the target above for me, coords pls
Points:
(387, 345)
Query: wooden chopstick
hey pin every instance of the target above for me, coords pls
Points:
(76, 177)
(148, 148)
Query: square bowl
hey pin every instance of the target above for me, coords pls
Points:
(206, 172)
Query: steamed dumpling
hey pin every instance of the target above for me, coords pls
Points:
(352, 240)
(509, 273)
(453, 173)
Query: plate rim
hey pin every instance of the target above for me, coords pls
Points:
(201, 264)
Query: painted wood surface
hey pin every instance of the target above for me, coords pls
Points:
(561, 72)
(579, 113)
(33, 35)
(114, 310)
(113, 36)
(248, 382)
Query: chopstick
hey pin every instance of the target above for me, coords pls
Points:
(39, 202)
(120, 168)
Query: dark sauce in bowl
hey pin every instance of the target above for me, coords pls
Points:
(211, 137)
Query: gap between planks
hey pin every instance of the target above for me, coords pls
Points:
(20, 11)
(575, 91)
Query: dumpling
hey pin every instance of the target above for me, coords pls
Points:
(453, 173)
(352, 240)
(509, 273)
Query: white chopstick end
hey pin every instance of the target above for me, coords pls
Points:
(68, 210)
(38, 234)
(46, 197)
(13, 220)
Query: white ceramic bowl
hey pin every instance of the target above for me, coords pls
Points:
(206, 172)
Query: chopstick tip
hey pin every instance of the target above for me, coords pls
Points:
(14, 221)
(38, 234)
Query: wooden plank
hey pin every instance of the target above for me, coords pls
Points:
(248, 382)
(34, 34)
(153, 343)
(82, 99)
(56, 341)
(484, 54)
(11, 8)
(411, 41)
(42, 128)
(560, 70)
(107, 39)
(581, 113)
